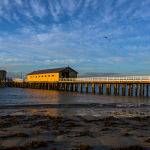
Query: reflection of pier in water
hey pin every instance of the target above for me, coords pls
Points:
(39, 95)
(119, 86)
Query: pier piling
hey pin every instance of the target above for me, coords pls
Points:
(108, 87)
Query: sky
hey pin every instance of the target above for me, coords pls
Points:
(88, 35)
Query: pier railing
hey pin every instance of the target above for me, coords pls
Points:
(108, 79)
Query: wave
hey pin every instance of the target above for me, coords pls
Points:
(87, 105)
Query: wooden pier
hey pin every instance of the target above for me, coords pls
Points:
(2, 84)
(118, 86)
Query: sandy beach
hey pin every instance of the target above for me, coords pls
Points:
(53, 120)
(52, 132)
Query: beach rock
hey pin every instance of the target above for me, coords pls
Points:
(85, 147)
(37, 144)
(135, 147)
(147, 140)
(126, 134)
(14, 148)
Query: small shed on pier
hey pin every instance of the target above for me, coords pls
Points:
(2, 75)
(51, 75)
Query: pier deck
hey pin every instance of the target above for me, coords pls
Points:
(123, 79)
(121, 86)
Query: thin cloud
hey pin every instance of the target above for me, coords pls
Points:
(19, 2)
(95, 33)
(38, 8)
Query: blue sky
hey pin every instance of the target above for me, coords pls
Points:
(88, 35)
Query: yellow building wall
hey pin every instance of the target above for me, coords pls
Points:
(48, 77)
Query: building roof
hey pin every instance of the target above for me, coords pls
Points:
(54, 70)
(2, 71)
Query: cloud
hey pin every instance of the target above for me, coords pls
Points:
(86, 33)
(70, 6)
(19, 2)
(38, 8)
(55, 9)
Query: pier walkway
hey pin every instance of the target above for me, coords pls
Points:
(119, 86)
(121, 79)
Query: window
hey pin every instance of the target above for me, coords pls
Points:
(45, 75)
(42, 76)
(52, 75)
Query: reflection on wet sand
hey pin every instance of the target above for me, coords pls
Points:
(44, 112)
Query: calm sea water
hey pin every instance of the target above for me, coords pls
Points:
(70, 103)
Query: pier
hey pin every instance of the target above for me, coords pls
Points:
(117, 86)
(2, 84)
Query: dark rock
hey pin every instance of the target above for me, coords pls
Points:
(85, 147)
(126, 134)
(37, 144)
(147, 140)
(135, 147)
(13, 148)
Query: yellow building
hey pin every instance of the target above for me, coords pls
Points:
(51, 75)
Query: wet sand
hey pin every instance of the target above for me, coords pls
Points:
(53, 132)
(53, 120)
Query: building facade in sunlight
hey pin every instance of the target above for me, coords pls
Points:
(51, 75)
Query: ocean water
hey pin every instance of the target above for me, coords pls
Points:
(34, 101)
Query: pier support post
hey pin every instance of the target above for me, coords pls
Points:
(45, 86)
(129, 90)
(76, 87)
(52, 86)
(100, 89)
(140, 90)
(35, 85)
(65, 86)
(93, 88)
(115, 89)
(86, 88)
(60, 86)
(123, 90)
(108, 89)
(81, 87)
(118, 89)
(71, 87)
(143, 94)
(48, 86)
(147, 90)
(136, 89)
